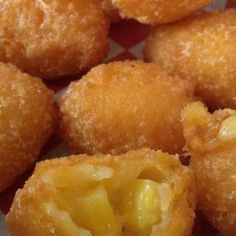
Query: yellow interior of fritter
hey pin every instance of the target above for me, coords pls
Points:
(205, 131)
(228, 129)
(105, 204)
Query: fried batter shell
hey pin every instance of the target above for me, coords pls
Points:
(211, 141)
(158, 11)
(27, 118)
(201, 49)
(123, 106)
(59, 190)
(54, 38)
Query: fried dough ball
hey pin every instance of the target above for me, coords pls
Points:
(159, 11)
(52, 38)
(123, 106)
(201, 49)
(140, 193)
(27, 117)
(211, 141)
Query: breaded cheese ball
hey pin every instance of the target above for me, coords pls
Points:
(53, 38)
(158, 11)
(27, 118)
(211, 141)
(201, 49)
(141, 193)
(123, 106)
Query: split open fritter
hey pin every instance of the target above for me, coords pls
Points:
(211, 142)
(141, 193)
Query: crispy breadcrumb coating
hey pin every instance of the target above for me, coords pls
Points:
(158, 11)
(52, 38)
(211, 141)
(110, 10)
(27, 118)
(123, 106)
(141, 193)
(201, 49)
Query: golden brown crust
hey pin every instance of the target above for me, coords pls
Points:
(211, 141)
(52, 38)
(201, 49)
(123, 106)
(158, 11)
(27, 118)
(57, 179)
(110, 10)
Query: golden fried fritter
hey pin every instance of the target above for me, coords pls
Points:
(27, 117)
(201, 49)
(123, 106)
(52, 38)
(211, 141)
(159, 11)
(140, 193)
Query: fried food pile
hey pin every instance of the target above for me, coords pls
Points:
(139, 193)
(123, 106)
(27, 118)
(211, 141)
(128, 123)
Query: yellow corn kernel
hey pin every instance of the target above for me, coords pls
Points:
(228, 129)
(144, 205)
(93, 211)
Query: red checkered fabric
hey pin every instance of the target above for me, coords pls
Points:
(127, 39)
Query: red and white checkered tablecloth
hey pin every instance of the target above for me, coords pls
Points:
(127, 39)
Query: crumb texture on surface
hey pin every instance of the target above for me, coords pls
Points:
(201, 49)
(158, 11)
(27, 118)
(55, 38)
(123, 106)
